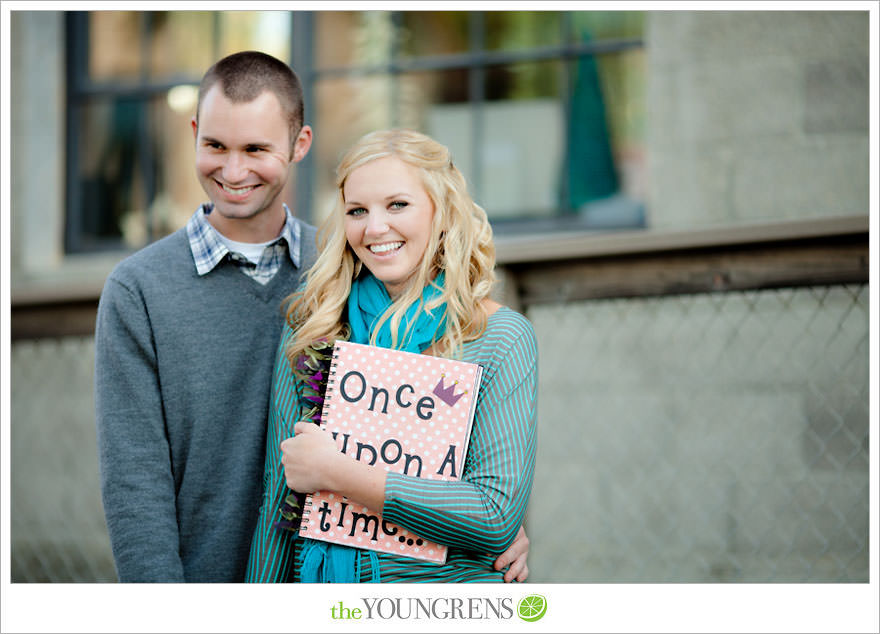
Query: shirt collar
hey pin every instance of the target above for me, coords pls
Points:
(208, 249)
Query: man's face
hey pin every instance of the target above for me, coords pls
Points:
(243, 154)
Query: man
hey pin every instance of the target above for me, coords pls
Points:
(185, 340)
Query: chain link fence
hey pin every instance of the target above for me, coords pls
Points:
(694, 438)
(703, 438)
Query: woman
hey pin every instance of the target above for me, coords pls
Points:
(406, 262)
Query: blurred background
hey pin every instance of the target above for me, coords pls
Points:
(680, 202)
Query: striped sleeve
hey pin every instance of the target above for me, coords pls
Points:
(484, 510)
(272, 549)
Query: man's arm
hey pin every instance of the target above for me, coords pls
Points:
(133, 451)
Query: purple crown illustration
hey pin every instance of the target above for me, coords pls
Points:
(447, 394)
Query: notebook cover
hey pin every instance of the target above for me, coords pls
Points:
(404, 412)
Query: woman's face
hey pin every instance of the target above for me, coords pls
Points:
(388, 216)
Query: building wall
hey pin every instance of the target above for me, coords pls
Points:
(37, 148)
(756, 116)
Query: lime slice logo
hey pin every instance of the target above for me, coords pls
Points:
(532, 607)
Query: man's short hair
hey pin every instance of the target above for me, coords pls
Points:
(246, 75)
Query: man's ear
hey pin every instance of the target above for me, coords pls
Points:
(302, 144)
(195, 127)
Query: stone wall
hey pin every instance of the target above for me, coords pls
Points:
(756, 116)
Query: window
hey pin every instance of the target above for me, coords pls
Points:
(543, 110)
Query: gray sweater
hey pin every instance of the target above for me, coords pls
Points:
(183, 367)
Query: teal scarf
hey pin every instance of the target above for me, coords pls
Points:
(369, 300)
(323, 562)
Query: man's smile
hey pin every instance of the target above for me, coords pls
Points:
(236, 191)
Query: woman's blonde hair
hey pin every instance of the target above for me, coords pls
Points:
(460, 245)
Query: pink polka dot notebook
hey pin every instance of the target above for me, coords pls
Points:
(403, 412)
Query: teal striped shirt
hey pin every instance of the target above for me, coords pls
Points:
(478, 516)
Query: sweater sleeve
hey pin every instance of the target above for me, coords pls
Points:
(272, 549)
(484, 510)
(137, 484)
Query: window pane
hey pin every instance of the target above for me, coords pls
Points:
(520, 155)
(112, 190)
(352, 38)
(595, 25)
(115, 45)
(178, 43)
(591, 169)
(332, 27)
(606, 140)
(522, 145)
(623, 85)
(436, 103)
(418, 93)
(523, 81)
(177, 190)
(515, 30)
(265, 31)
(345, 109)
(136, 171)
(433, 33)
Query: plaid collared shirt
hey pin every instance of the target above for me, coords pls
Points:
(209, 250)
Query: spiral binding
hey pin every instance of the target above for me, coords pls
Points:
(331, 382)
(328, 392)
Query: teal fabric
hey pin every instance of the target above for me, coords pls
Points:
(369, 300)
(592, 174)
(322, 562)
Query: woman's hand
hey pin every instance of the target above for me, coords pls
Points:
(309, 458)
(313, 462)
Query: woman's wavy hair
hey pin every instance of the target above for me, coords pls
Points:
(460, 245)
